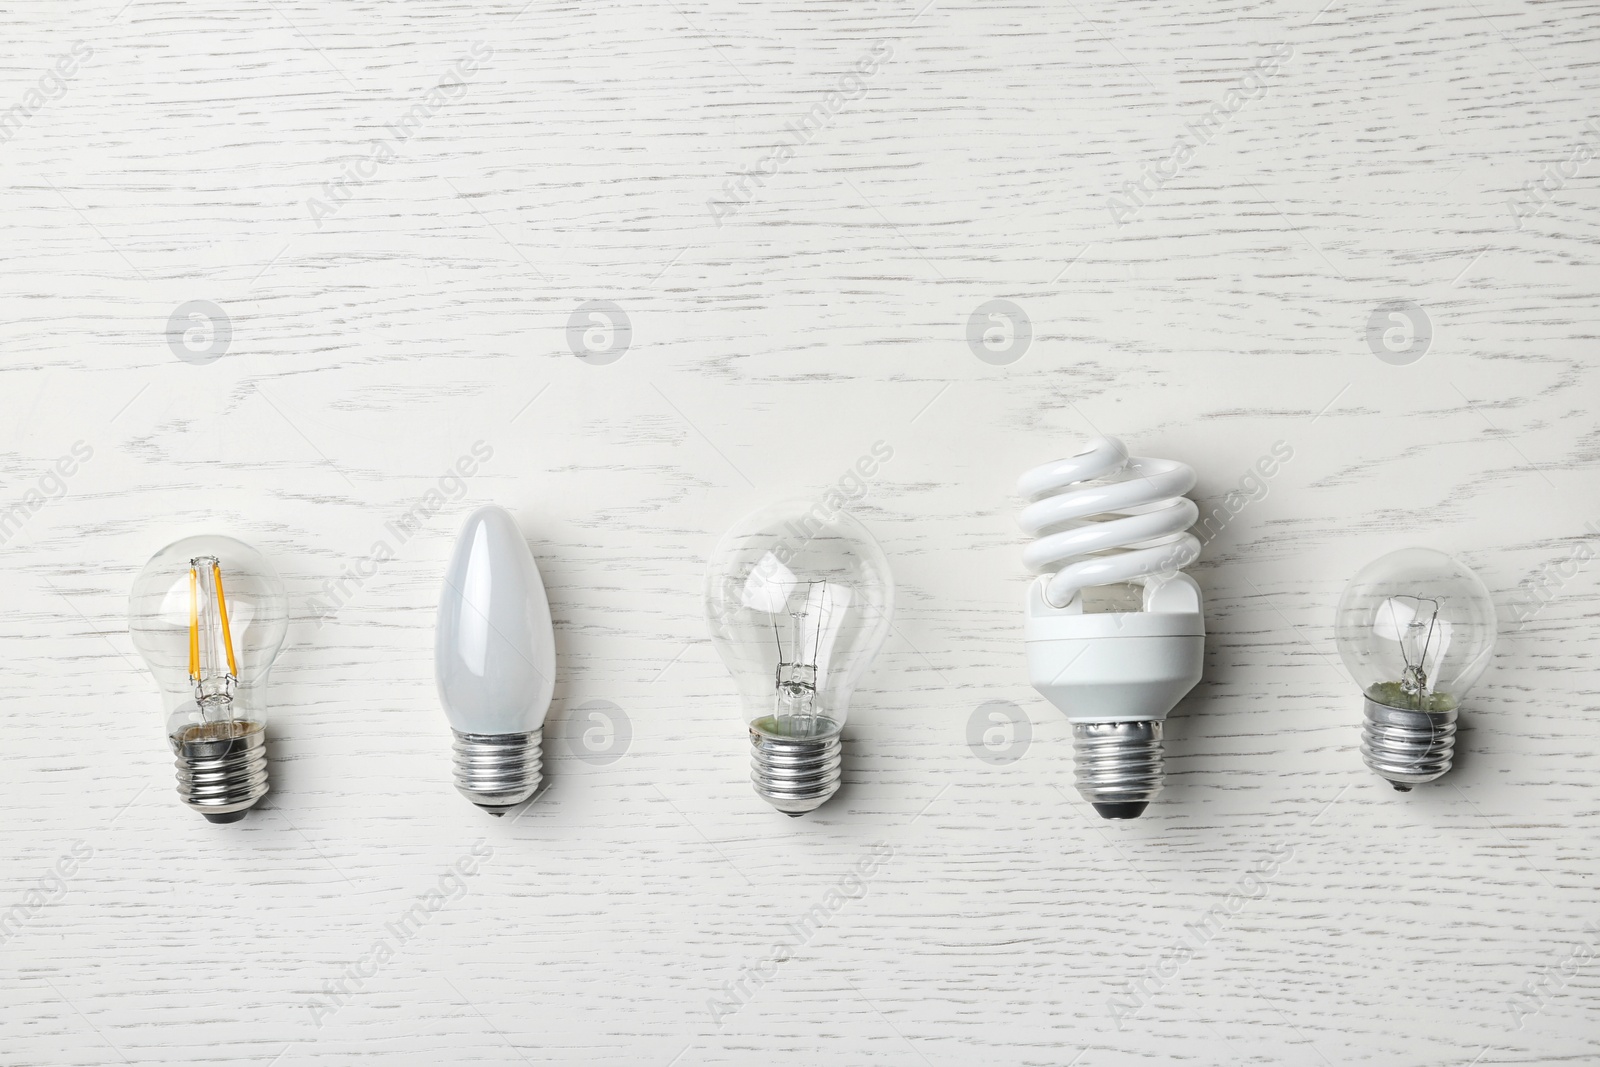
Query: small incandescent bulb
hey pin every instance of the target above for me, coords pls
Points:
(495, 661)
(798, 601)
(1416, 628)
(1116, 673)
(208, 614)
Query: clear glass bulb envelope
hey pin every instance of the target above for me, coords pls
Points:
(209, 615)
(798, 601)
(1416, 628)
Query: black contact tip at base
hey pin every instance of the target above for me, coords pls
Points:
(1122, 811)
(496, 812)
(1400, 787)
(230, 816)
(795, 814)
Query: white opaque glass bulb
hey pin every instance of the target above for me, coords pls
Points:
(495, 661)
(209, 615)
(798, 602)
(1416, 628)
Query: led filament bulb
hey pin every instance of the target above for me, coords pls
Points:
(798, 602)
(1416, 628)
(208, 614)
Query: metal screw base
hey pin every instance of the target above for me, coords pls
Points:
(1118, 765)
(222, 767)
(498, 771)
(795, 774)
(1407, 748)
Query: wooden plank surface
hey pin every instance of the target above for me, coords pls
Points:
(399, 211)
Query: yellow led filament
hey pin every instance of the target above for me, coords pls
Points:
(208, 629)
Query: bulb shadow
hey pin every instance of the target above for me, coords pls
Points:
(1463, 758)
(1177, 746)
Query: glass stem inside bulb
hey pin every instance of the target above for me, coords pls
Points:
(213, 669)
(1414, 621)
(1415, 643)
(795, 712)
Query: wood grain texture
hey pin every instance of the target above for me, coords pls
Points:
(427, 309)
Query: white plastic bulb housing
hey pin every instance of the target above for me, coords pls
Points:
(495, 661)
(1416, 628)
(209, 616)
(1103, 519)
(798, 598)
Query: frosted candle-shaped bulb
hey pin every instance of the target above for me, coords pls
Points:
(495, 661)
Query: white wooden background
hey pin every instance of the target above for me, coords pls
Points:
(372, 347)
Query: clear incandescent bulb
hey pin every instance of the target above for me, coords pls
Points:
(1416, 628)
(208, 614)
(495, 661)
(798, 601)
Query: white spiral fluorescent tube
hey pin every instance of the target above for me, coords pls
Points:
(1143, 516)
(1115, 674)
